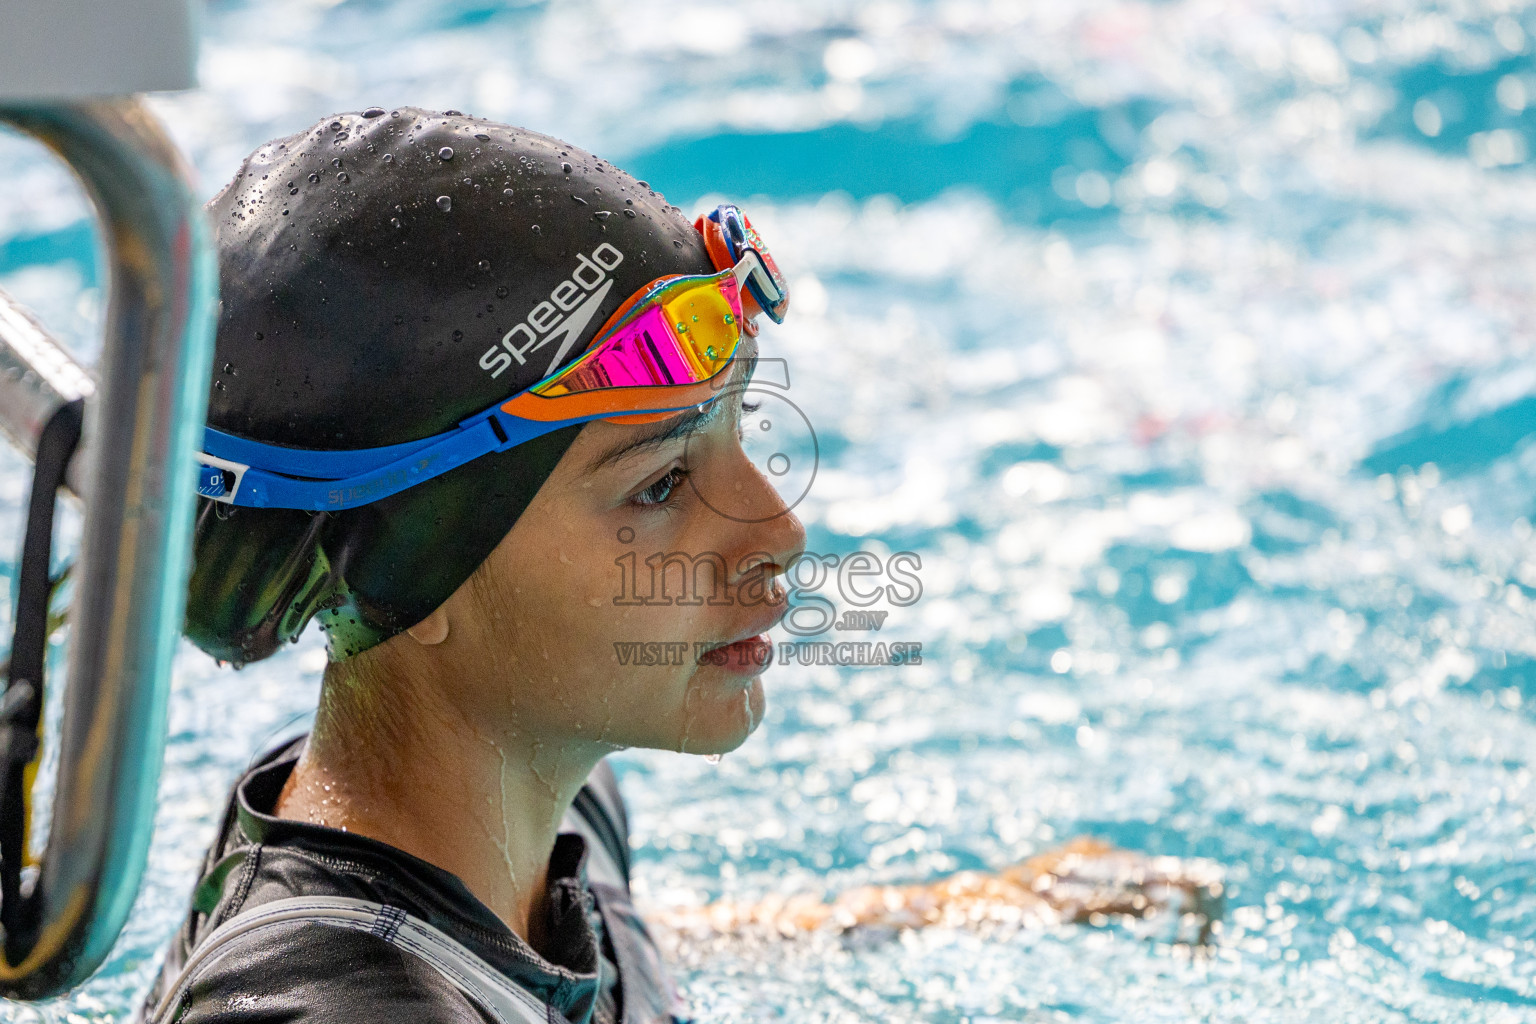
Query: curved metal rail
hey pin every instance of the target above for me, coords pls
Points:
(139, 477)
(36, 377)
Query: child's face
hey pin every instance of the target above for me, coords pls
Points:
(587, 621)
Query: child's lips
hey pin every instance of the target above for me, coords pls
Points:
(751, 651)
(744, 657)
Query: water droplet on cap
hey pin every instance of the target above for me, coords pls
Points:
(444, 203)
(313, 177)
(566, 167)
(483, 138)
(507, 192)
(335, 126)
(629, 213)
(342, 177)
(374, 112)
(484, 264)
(394, 222)
(537, 230)
(603, 214)
(446, 153)
(389, 158)
(335, 161)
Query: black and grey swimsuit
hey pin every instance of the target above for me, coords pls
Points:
(296, 922)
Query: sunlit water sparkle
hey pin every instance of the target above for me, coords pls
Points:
(1188, 344)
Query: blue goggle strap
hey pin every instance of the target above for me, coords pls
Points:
(249, 474)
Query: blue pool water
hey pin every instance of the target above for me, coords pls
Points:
(1192, 348)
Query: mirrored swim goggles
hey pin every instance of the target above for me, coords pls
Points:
(659, 354)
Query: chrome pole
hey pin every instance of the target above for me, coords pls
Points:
(141, 432)
(37, 376)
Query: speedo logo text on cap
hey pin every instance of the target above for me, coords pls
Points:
(562, 317)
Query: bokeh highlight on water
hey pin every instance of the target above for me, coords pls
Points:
(1190, 346)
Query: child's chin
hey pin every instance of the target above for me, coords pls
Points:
(723, 725)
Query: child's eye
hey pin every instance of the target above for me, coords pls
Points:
(747, 408)
(660, 492)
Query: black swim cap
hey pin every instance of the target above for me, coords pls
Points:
(385, 275)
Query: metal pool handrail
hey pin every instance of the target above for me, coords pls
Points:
(36, 377)
(138, 479)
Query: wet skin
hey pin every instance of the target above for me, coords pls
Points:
(464, 740)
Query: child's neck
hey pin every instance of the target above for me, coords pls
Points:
(485, 807)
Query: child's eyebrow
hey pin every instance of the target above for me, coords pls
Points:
(670, 430)
(691, 422)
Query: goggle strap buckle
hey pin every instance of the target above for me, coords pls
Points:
(219, 479)
(754, 277)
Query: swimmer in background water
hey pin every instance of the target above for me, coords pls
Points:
(461, 369)
(1082, 882)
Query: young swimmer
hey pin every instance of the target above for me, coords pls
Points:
(446, 844)
(462, 369)
(1082, 882)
